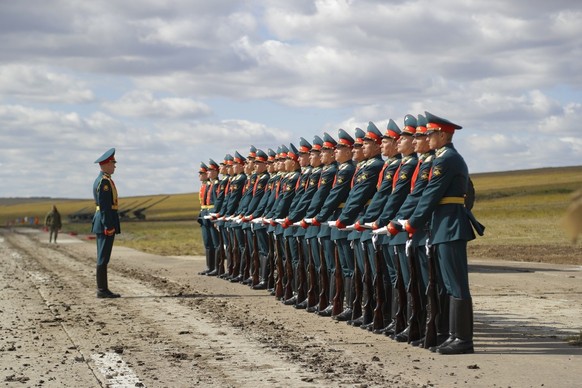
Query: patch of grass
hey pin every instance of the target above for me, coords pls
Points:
(165, 238)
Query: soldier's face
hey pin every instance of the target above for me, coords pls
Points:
(327, 156)
(315, 158)
(388, 146)
(260, 167)
(358, 154)
(421, 144)
(405, 145)
(435, 140)
(343, 153)
(370, 148)
(237, 168)
(304, 159)
(248, 168)
(109, 167)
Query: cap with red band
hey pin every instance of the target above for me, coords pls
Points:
(293, 153)
(329, 142)
(344, 138)
(409, 125)
(392, 130)
(107, 157)
(359, 135)
(374, 133)
(304, 146)
(317, 143)
(435, 124)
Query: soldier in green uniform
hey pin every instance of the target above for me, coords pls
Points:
(363, 188)
(396, 245)
(213, 186)
(237, 185)
(321, 233)
(443, 204)
(266, 170)
(384, 188)
(105, 222)
(419, 182)
(297, 211)
(330, 211)
(319, 184)
(219, 206)
(205, 225)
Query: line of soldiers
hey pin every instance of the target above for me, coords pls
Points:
(333, 228)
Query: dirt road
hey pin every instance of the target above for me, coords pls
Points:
(173, 328)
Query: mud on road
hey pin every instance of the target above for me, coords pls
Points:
(173, 328)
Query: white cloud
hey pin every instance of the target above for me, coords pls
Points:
(40, 84)
(141, 103)
(565, 123)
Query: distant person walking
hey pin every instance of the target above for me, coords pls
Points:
(106, 220)
(53, 222)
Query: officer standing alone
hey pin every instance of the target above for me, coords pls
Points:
(106, 220)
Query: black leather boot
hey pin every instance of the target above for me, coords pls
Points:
(462, 317)
(293, 300)
(263, 274)
(102, 287)
(356, 322)
(312, 309)
(207, 269)
(325, 311)
(451, 322)
(403, 336)
(347, 313)
(389, 329)
(444, 329)
(213, 270)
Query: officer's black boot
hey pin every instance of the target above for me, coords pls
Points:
(301, 283)
(449, 312)
(462, 317)
(403, 335)
(359, 321)
(207, 269)
(442, 321)
(102, 288)
(212, 264)
(264, 274)
(315, 285)
(294, 282)
(348, 290)
(390, 311)
(325, 311)
(357, 283)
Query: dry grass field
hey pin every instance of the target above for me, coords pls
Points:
(522, 212)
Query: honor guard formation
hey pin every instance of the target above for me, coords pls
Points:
(370, 229)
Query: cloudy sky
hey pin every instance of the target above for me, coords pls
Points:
(172, 83)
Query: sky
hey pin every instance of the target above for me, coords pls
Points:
(172, 83)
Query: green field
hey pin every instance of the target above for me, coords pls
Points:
(521, 211)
